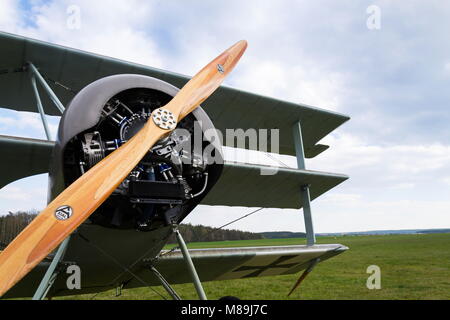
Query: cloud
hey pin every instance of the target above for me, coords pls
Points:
(122, 36)
(24, 194)
(14, 193)
(350, 152)
(26, 124)
(342, 198)
(402, 186)
(9, 14)
(370, 214)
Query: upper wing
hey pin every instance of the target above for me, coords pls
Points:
(227, 107)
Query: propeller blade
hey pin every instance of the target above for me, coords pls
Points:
(76, 203)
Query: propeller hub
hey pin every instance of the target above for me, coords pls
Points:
(164, 119)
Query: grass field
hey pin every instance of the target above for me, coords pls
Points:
(412, 267)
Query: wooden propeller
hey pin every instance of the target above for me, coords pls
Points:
(76, 203)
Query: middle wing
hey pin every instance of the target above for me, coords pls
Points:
(240, 184)
(23, 157)
(244, 185)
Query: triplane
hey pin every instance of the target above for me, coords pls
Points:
(124, 160)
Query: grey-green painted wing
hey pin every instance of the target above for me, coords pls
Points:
(240, 184)
(23, 157)
(227, 107)
(211, 264)
(244, 185)
(244, 262)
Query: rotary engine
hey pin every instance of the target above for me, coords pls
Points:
(166, 184)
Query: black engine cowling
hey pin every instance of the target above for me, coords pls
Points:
(167, 183)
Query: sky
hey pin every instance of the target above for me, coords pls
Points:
(386, 64)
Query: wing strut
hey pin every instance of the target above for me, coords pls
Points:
(190, 265)
(46, 87)
(52, 272)
(165, 284)
(304, 274)
(39, 106)
(300, 152)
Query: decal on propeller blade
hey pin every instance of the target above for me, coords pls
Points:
(63, 212)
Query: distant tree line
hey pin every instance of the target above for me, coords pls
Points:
(14, 222)
(199, 233)
(283, 235)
